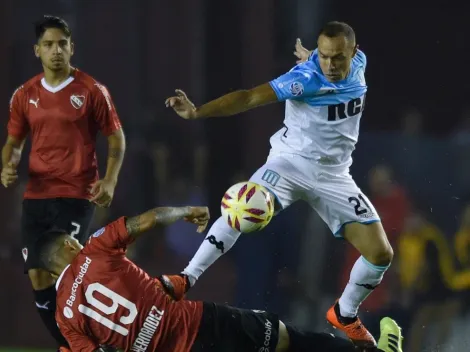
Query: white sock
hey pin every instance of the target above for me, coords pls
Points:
(219, 240)
(362, 281)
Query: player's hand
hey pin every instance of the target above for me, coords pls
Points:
(9, 175)
(102, 192)
(174, 286)
(199, 216)
(301, 52)
(182, 105)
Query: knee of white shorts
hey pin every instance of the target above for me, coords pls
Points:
(339, 232)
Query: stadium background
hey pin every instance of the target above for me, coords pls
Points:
(412, 158)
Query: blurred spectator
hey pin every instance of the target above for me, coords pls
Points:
(425, 260)
(181, 188)
(412, 122)
(462, 238)
(389, 198)
(460, 141)
(461, 135)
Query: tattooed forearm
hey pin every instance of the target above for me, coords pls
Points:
(133, 225)
(158, 216)
(169, 215)
(116, 150)
(116, 153)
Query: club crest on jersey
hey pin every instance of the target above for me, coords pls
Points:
(296, 89)
(77, 101)
(24, 251)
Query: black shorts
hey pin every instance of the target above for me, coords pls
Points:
(228, 329)
(40, 215)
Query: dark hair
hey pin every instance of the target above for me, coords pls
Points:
(51, 22)
(48, 244)
(335, 29)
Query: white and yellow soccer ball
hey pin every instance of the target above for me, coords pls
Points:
(247, 207)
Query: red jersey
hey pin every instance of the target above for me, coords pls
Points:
(64, 122)
(105, 299)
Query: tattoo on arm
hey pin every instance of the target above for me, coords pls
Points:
(158, 216)
(169, 215)
(133, 225)
(115, 153)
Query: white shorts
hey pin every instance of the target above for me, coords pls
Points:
(333, 195)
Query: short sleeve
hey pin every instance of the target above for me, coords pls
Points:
(18, 126)
(298, 83)
(113, 239)
(104, 111)
(77, 341)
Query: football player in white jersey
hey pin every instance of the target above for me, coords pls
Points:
(310, 158)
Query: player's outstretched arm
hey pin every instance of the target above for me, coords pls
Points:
(167, 216)
(227, 105)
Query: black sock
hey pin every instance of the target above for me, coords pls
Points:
(306, 341)
(45, 304)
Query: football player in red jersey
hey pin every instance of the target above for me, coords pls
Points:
(62, 109)
(105, 299)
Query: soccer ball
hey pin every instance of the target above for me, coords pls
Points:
(247, 207)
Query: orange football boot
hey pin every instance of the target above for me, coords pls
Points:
(64, 349)
(354, 330)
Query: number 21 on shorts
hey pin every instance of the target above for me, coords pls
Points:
(360, 208)
(117, 300)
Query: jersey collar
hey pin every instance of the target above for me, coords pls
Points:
(60, 277)
(57, 88)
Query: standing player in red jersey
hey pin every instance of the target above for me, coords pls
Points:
(105, 299)
(63, 109)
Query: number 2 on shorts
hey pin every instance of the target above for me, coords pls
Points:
(76, 227)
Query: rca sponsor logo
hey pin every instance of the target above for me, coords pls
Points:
(148, 330)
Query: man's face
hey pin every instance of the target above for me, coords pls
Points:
(54, 49)
(335, 55)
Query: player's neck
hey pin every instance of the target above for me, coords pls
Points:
(59, 268)
(54, 78)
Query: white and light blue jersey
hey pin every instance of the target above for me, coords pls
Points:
(321, 118)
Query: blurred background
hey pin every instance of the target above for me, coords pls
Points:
(412, 158)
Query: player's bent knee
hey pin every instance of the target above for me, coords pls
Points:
(283, 340)
(386, 255)
(382, 256)
(40, 279)
(371, 241)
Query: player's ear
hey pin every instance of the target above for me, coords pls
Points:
(355, 50)
(72, 244)
(68, 243)
(72, 48)
(36, 50)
